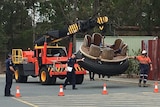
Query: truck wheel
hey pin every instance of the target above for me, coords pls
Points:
(20, 78)
(79, 79)
(45, 78)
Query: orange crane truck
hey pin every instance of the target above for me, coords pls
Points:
(48, 60)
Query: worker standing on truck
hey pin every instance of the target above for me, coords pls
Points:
(71, 76)
(145, 65)
(9, 76)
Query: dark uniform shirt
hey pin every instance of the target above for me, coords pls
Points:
(8, 64)
(71, 62)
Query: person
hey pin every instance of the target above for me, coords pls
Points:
(71, 76)
(145, 65)
(91, 75)
(9, 76)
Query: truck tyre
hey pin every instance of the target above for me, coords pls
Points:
(79, 79)
(45, 78)
(18, 77)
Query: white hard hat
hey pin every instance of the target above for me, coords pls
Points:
(144, 52)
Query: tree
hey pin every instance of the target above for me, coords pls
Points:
(15, 21)
(18, 28)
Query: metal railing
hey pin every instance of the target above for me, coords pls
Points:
(17, 56)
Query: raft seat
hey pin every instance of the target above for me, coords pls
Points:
(94, 50)
(87, 41)
(124, 49)
(117, 44)
(96, 39)
(107, 53)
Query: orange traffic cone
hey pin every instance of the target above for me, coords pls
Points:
(156, 87)
(61, 93)
(104, 92)
(18, 92)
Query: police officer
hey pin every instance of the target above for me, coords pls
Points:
(145, 65)
(9, 76)
(71, 76)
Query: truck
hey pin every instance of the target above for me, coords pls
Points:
(48, 60)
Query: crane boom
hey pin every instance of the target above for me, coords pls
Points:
(79, 26)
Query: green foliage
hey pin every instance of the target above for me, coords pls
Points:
(133, 65)
(3, 42)
(16, 25)
(142, 13)
(14, 22)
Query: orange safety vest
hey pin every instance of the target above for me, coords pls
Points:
(143, 59)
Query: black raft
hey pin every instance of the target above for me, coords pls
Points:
(101, 58)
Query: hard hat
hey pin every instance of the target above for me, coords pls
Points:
(144, 52)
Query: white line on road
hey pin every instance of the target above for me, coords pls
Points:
(25, 102)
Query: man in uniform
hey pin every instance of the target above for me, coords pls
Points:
(145, 65)
(71, 76)
(9, 76)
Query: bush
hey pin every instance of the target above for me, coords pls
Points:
(133, 65)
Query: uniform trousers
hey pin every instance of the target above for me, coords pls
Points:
(9, 78)
(71, 77)
(144, 68)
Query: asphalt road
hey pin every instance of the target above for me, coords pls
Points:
(120, 94)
